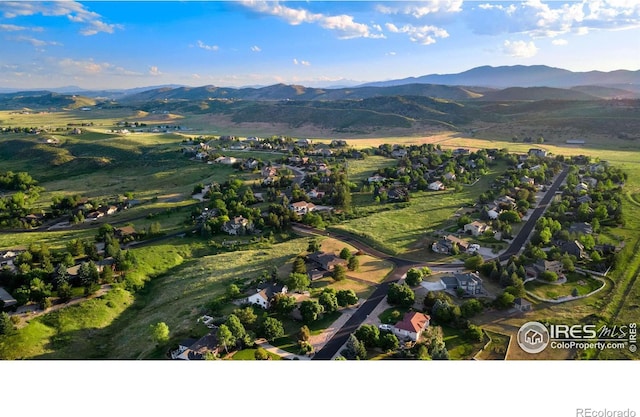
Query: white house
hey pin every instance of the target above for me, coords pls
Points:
(237, 226)
(476, 228)
(302, 207)
(376, 178)
(411, 326)
(264, 293)
(436, 186)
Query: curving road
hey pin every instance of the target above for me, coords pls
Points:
(333, 346)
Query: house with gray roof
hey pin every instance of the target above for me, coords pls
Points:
(470, 282)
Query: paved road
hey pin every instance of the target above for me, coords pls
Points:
(333, 346)
(519, 241)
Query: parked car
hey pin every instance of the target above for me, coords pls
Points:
(386, 327)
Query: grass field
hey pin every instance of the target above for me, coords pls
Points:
(185, 273)
(582, 284)
(403, 230)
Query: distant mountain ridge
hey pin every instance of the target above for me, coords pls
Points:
(522, 76)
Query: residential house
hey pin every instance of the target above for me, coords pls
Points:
(315, 194)
(493, 213)
(461, 151)
(446, 244)
(449, 176)
(93, 216)
(522, 305)
(581, 228)
(411, 326)
(470, 282)
(476, 228)
(6, 300)
(398, 194)
(505, 201)
(399, 153)
(574, 248)
(7, 260)
(124, 232)
(191, 349)
(436, 186)
(303, 143)
(264, 294)
(548, 266)
(590, 181)
(302, 207)
(527, 180)
(376, 178)
(237, 226)
(269, 171)
(541, 153)
(296, 160)
(250, 163)
(582, 187)
(584, 199)
(338, 143)
(325, 261)
(226, 160)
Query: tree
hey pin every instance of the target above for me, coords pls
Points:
(369, 335)
(474, 333)
(304, 334)
(470, 308)
(439, 351)
(283, 304)
(160, 332)
(314, 246)
(299, 266)
(346, 298)
(236, 328)
(88, 273)
(548, 276)
(474, 263)
(246, 315)
(389, 342)
(509, 216)
(504, 301)
(233, 292)
(345, 253)
(6, 326)
(414, 277)
(226, 339)
(261, 354)
(329, 301)
(354, 349)
(272, 328)
(353, 264)
(64, 292)
(339, 273)
(298, 282)
(310, 310)
(574, 292)
(401, 295)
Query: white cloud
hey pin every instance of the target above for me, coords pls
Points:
(553, 18)
(154, 71)
(422, 8)
(75, 67)
(74, 11)
(255, 48)
(424, 35)
(206, 47)
(559, 42)
(37, 43)
(302, 62)
(12, 28)
(343, 24)
(520, 49)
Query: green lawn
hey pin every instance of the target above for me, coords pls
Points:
(249, 355)
(402, 228)
(583, 284)
(458, 346)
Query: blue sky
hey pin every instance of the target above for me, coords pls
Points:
(123, 44)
